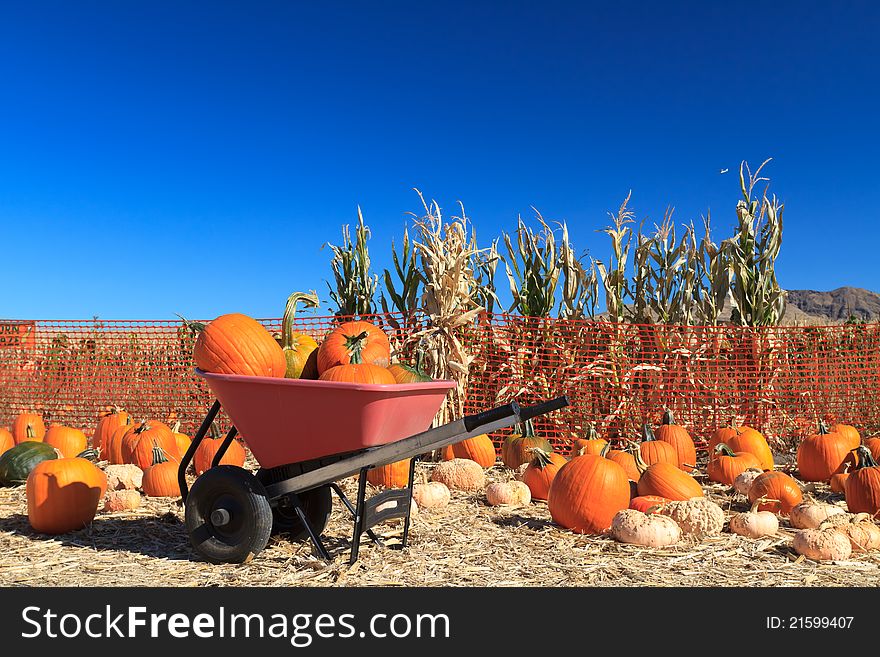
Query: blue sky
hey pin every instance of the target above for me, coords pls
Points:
(192, 157)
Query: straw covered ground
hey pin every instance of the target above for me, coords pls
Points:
(466, 544)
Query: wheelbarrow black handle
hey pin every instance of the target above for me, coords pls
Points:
(529, 412)
(477, 420)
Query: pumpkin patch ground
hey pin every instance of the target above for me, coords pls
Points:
(495, 546)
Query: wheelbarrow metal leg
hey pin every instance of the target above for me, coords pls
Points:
(412, 472)
(353, 511)
(316, 540)
(221, 451)
(194, 445)
(359, 516)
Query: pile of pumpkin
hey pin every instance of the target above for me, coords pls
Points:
(646, 492)
(68, 476)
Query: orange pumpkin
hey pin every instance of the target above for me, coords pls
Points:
(160, 479)
(838, 479)
(822, 454)
(479, 448)
(654, 451)
(540, 472)
(237, 344)
(28, 426)
(725, 465)
(873, 445)
(114, 444)
(516, 448)
(625, 458)
(852, 435)
(591, 443)
(138, 443)
(408, 374)
(669, 481)
(110, 419)
(680, 439)
(752, 441)
(863, 485)
(586, 493)
(392, 475)
(648, 503)
(6, 439)
(67, 440)
(207, 449)
(780, 491)
(180, 439)
(358, 373)
(354, 342)
(63, 494)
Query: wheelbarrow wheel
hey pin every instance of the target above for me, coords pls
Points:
(227, 515)
(316, 504)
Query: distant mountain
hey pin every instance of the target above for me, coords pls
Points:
(837, 305)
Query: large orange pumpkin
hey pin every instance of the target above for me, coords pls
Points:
(110, 419)
(680, 439)
(863, 485)
(586, 493)
(354, 342)
(67, 440)
(516, 448)
(139, 442)
(28, 426)
(780, 491)
(665, 479)
(479, 448)
(852, 435)
(541, 471)
(63, 494)
(822, 454)
(237, 344)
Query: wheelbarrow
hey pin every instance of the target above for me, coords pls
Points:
(306, 436)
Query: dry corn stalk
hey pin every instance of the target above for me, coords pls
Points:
(355, 286)
(713, 277)
(580, 287)
(446, 255)
(535, 269)
(614, 278)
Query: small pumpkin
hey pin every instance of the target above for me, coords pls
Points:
(63, 494)
(680, 439)
(180, 439)
(160, 479)
(591, 443)
(540, 472)
(625, 458)
(235, 343)
(753, 441)
(479, 448)
(114, 444)
(725, 466)
(358, 373)
(508, 493)
(873, 445)
(203, 457)
(431, 494)
(122, 500)
(17, 462)
(460, 474)
(654, 451)
(300, 350)
(586, 494)
(648, 503)
(780, 492)
(754, 523)
(354, 342)
(139, 441)
(862, 533)
(648, 530)
(28, 427)
(745, 479)
(404, 373)
(822, 454)
(838, 479)
(809, 514)
(391, 475)
(862, 490)
(6, 439)
(825, 544)
(124, 477)
(67, 440)
(516, 445)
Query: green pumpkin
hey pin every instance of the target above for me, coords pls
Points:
(17, 462)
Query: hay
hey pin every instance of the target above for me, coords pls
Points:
(495, 547)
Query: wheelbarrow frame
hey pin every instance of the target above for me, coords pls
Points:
(327, 470)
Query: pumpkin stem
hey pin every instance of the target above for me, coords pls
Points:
(723, 448)
(158, 455)
(194, 327)
(592, 434)
(91, 454)
(541, 457)
(354, 344)
(647, 433)
(309, 300)
(823, 428)
(760, 501)
(215, 430)
(175, 428)
(641, 466)
(668, 417)
(865, 458)
(605, 450)
(29, 432)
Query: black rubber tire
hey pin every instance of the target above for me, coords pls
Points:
(317, 505)
(246, 533)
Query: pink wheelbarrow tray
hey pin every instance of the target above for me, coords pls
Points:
(307, 435)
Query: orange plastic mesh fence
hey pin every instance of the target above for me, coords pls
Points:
(780, 380)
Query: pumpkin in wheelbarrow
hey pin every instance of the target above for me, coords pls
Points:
(238, 344)
(354, 342)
